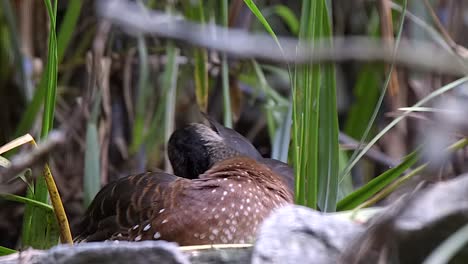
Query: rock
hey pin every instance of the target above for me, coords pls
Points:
(296, 234)
(220, 254)
(103, 252)
(412, 228)
(431, 216)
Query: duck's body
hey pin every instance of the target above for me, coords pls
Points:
(223, 190)
(225, 205)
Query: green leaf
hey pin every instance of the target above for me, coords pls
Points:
(366, 93)
(346, 186)
(288, 17)
(194, 11)
(142, 97)
(25, 200)
(375, 185)
(262, 19)
(6, 251)
(421, 102)
(92, 171)
(328, 160)
(170, 85)
(314, 117)
(67, 27)
(37, 223)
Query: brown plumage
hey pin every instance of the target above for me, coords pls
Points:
(224, 205)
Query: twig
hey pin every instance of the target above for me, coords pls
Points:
(386, 27)
(26, 160)
(462, 51)
(372, 154)
(416, 54)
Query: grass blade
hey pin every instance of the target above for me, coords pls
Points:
(306, 98)
(6, 251)
(92, 171)
(262, 19)
(194, 12)
(328, 160)
(21, 199)
(421, 102)
(170, 84)
(40, 228)
(64, 37)
(91, 179)
(375, 185)
(288, 17)
(143, 90)
(225, 71)
(314, 117)
(35, 223)
(67, 27)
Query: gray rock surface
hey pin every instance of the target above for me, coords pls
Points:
(429, 217)
(412, 228)
(105, 252)
(296, 234)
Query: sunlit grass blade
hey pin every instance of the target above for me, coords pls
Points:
(328, 160)
(24, 200)
(314, 117)
(460, 144)
(375, 185)
(6, 251)
(306, 100)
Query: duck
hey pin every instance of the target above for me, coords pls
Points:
(221, 191)
(194, 148)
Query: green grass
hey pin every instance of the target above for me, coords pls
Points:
(362, 194)
(314, 117)
(63, 39)
(194, 10)
(92, 169)
(143, 96)
(40, 229)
